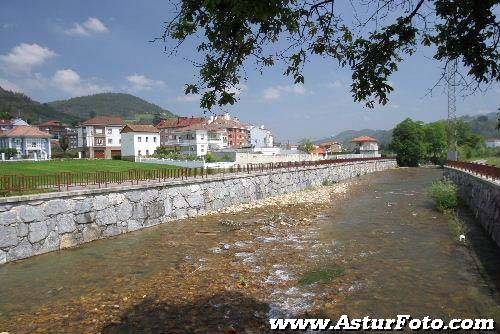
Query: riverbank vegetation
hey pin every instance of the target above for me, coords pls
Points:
(415, 142)
(444, 193)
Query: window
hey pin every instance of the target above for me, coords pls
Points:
(147, 151)
(147, 140)
(139, 139)
(110, 131)
(138, 152)
(33, 144)
(154, 139)
(110, 141)
(119, 141)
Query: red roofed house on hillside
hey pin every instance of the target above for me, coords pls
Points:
(29, 142)
(366, 145)
(100, 138)
(331, 147)
(167, 126)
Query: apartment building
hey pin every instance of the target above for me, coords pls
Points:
(238, 133)
(197, 139)
(167, 126)
(100, 137)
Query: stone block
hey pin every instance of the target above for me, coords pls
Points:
(23, 250)
(22, 229)
(133, 196)
(67, 241)
(28, 213)
(101, 202)
(133, 225)
(54, 207)
(84, 205)
(124, 211)
(91, 232)
(106, 217)
(195, 200)
(8, 236)
(37, 231)
(179, 202)
(51, 243)
(9, 217)
(85, 218)
(3, 257)
(66, 223)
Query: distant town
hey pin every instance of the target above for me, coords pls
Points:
(214, 138)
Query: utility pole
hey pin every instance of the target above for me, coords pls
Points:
(452, 111)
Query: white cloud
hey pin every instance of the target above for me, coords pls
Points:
(23, 57)
(71, 83)
(141, 82)
(188, 98)
(92, 25)
(275, 92)
(335, 84)
(8, 85)
(238, 89)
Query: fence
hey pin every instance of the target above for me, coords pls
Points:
(186, 163)
(479, 169)
(11, 184)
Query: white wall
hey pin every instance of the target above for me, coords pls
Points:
(131, 146)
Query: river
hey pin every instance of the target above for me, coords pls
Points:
(380, 250)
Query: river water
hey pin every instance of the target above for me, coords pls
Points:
(380, 250)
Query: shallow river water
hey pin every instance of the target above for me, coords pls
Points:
(380, 250)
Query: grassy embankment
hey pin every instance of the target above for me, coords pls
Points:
(72, 166)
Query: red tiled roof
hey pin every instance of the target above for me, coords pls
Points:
(229, 123)
(319, 150)
(25, 131)
(5, 122)
(201, 126)
(51, 123)
(328, 143)
(179, 122)
(139, 128)
(363, 139)
(104, 120)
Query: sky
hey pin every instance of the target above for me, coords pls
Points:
(57, 49)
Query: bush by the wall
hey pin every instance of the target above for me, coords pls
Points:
(444, 192)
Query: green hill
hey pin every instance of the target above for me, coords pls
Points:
(112, 104)
(18, 104)
(484, 125)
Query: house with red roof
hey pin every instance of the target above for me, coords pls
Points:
(29, 142)
(366, 145)
(139, 140)
(167, 126)
(197, 139)
(100, 137)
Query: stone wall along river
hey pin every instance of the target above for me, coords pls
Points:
(36, 224)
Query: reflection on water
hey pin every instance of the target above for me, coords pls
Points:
(392, 253)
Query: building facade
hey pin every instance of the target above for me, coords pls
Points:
(492, 142)
(331, 147)
(139, 141)
(30, 142)
(238, 134)
(167, 126)
(366, 145)
(100, 137)
(9, 124)
(260, 137)
(197, 139)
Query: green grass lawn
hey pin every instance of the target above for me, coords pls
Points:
(72, 166)
(495, 161)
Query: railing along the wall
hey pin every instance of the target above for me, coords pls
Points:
(487, 171)
(15, 184)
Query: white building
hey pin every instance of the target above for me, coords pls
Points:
(100, 137)
(366, 145)
(197, 139)
(260, 137)
(492, 142)
(29, 142)
(139, 141)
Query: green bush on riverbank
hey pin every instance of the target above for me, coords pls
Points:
(444, 192)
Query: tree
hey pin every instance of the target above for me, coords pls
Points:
(9, 152)
(234, 33)
(64, 143)
(408, 142)
(436, 143)
(306, 146)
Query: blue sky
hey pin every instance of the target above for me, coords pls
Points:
(58, 49)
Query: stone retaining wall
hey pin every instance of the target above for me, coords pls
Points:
(36, 224)
(482, 196)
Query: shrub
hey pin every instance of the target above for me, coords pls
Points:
(9, 152)
(444, 192)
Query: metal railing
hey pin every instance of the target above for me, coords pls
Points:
(17, 184)
(487, 171)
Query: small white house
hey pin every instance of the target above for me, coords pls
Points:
(366, 145)
(139, 140)
(493, 142)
